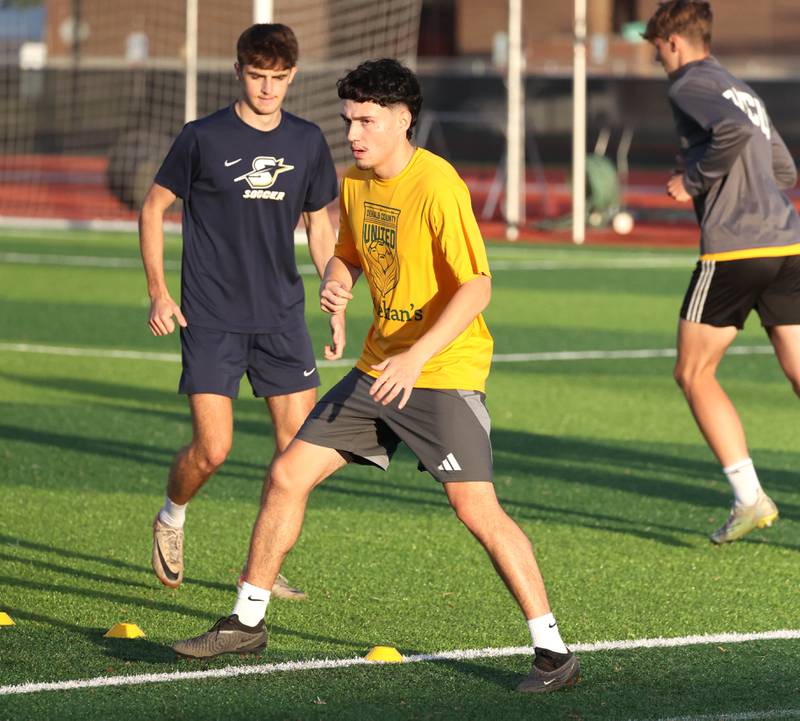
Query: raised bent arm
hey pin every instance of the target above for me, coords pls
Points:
(400, 372)
(783, 167)
(337, 282)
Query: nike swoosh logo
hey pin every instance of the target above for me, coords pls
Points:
(552, 625)
(547, 683)
(250, 598)
(172, 575)
(308, 373)
(228, 163)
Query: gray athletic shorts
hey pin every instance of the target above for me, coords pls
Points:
(447, 430)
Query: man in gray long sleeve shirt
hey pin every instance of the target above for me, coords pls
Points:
(734, 167)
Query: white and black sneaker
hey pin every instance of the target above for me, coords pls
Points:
(228, 635)
(167, 553)
(551, 671)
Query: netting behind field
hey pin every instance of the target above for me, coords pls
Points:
(92, 104)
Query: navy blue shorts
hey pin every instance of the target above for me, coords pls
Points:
(276, 363)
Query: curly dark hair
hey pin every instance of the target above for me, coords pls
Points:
(385, 82)
(269, 46)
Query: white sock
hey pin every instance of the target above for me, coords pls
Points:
(744, 481)
(544, 633)
(251, 604)
(173, 514)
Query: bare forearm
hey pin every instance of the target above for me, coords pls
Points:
(465, 305)
(151, 246)
(321, 239)
(341, 272)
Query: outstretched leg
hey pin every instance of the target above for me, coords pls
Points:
(785, 340)
(212, 435)
(293, 476)
(701, 347)
(511, 553)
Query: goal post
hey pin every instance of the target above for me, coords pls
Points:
(91, 108)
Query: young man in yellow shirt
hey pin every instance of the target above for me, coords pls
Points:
(407, 224)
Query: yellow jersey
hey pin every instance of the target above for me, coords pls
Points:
(416, 240)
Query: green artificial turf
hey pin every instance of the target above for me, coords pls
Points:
(598, 460)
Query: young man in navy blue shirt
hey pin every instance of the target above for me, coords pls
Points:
(245, 174)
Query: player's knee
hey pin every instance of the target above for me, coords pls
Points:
(680, 375)
(210, 458)
(687, 376)
(471, 514)
(282, 477)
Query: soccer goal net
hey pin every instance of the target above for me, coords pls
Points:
(95, 91)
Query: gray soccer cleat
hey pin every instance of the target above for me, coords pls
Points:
(743, 519)
(283, 589)
(280, 589)
(168, 553)
(551, 671)
(228, 635)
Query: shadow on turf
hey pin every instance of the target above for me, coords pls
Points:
(624, 467)
(138, 453)
(140, 649)
(588, 463)
(147, 651)
(115, 563)
(167, 606)
(125, 392)
(581, 462)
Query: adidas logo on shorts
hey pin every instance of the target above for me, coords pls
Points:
(449, 464)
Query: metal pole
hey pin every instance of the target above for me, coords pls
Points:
(74, 93)
(262, 11)
(579, 126)
(190, 100)
(515, 148)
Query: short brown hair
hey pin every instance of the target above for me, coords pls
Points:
(690, 19)
(268, 46)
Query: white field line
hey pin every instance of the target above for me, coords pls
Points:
(579, 355)
(77, 261)
(121, 226)
(621, 263)
(778, 713)
(317, 664)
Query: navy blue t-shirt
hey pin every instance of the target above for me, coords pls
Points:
(243, 191)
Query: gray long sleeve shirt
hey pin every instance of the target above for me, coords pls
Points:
(735, 163)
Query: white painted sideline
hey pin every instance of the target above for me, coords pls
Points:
(101, 261)
(577, 355)
(122, 226)
(317, 664)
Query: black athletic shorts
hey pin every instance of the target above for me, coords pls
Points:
(447, 430)
(722, 293)
(276, 363)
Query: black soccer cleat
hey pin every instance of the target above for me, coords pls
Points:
(551, 671)
(228, 635)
